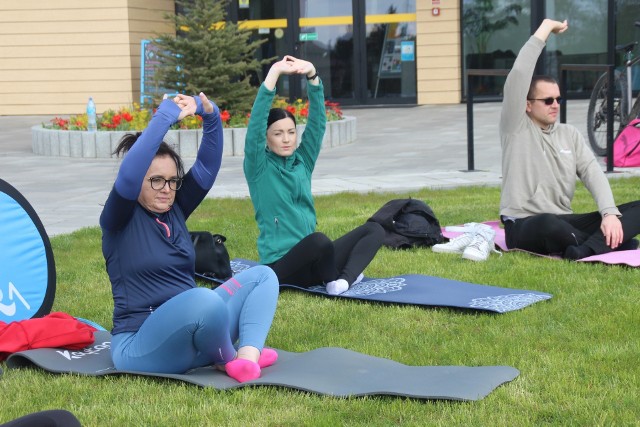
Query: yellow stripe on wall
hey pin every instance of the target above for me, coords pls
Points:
(390, 18)
(254, 24)
(263, 23)
(326, 21)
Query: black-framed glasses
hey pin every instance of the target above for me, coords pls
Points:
(158, 183)
(547, 101)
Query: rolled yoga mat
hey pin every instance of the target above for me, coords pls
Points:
(327, 371)
(417, 289)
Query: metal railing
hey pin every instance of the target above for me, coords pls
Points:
(564, 69)
(470, 73)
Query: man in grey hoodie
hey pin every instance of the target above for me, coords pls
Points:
(540, 162)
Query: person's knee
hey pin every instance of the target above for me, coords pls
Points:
(202, 301)
(376, 230)
(320, 241)
(549, 225)
(267, 277)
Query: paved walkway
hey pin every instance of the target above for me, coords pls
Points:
(399, 149)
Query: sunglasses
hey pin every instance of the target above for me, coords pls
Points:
(547, 101)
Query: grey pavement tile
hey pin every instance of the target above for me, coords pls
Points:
(397, 150)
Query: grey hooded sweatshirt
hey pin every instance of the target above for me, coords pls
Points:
(539, 167)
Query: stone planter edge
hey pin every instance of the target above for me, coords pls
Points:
(60, 143)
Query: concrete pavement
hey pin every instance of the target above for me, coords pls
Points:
(398, 149)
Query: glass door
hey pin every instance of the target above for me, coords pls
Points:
(364, 50)
(326, 39)
(390, 51)
(269, 20)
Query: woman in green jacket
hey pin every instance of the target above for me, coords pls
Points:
(279, 177)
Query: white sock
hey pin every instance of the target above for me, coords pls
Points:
(337, 287)
(358, 279)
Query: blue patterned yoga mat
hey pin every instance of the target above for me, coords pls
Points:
(418, 289)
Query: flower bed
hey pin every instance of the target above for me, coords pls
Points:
(70, 138)
(100, 144)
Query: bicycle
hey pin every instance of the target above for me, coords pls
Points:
(622, 97)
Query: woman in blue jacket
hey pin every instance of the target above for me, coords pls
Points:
(279, 177)
(163, 322)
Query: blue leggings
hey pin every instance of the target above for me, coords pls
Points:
(199, 327)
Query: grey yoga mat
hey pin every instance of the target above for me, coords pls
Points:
(418, 289)
(329, 371)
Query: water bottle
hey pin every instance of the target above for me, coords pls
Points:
(92, 124)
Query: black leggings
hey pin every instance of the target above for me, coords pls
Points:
(51, 418)
(552, 234)
(317, 260)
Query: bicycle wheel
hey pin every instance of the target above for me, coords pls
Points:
(597, 113)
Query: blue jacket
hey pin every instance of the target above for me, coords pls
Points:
(149, 256)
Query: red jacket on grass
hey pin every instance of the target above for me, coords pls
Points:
(53, 330)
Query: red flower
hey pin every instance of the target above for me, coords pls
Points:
(225, 116)
(116, 120)
(127, 116)
(291, 109)
(304, 112)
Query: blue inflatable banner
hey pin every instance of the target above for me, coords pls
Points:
(27, 268)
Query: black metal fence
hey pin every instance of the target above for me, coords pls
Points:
(564, 71)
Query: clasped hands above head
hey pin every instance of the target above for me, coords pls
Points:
(188, 104)
(293, 65)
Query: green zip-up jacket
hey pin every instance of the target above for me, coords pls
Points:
(280, 187)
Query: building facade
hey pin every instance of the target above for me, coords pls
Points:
(54, 55)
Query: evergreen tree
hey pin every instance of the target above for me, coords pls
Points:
(208, 54)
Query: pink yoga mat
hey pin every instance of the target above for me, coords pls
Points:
(630, 258)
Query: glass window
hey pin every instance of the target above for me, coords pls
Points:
(580, 45)
(380, 7)
(326, 39)
(315, 9)
(493, 33)
(391, 48)
(267, 18)
(627, 32)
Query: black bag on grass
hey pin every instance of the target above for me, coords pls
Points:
(212, 257)
(408, 223)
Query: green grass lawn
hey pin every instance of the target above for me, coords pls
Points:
(578, 353)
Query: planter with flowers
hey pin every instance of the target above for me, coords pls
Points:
(70, 138)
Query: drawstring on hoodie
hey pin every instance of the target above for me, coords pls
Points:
(166, 227)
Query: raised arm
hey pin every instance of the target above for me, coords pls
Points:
(204, 171)
(256, 139)
(549, 26)
(517, 84)
(290, 65)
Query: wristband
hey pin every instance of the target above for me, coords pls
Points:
(312, 77)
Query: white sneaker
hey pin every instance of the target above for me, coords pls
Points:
(458, 244)
(481, 245)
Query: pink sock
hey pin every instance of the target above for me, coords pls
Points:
(268, 357)
(243, 370)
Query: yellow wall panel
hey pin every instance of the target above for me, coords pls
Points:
(80, 86)
(438, 53)
(67, 50)
(69, 39)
